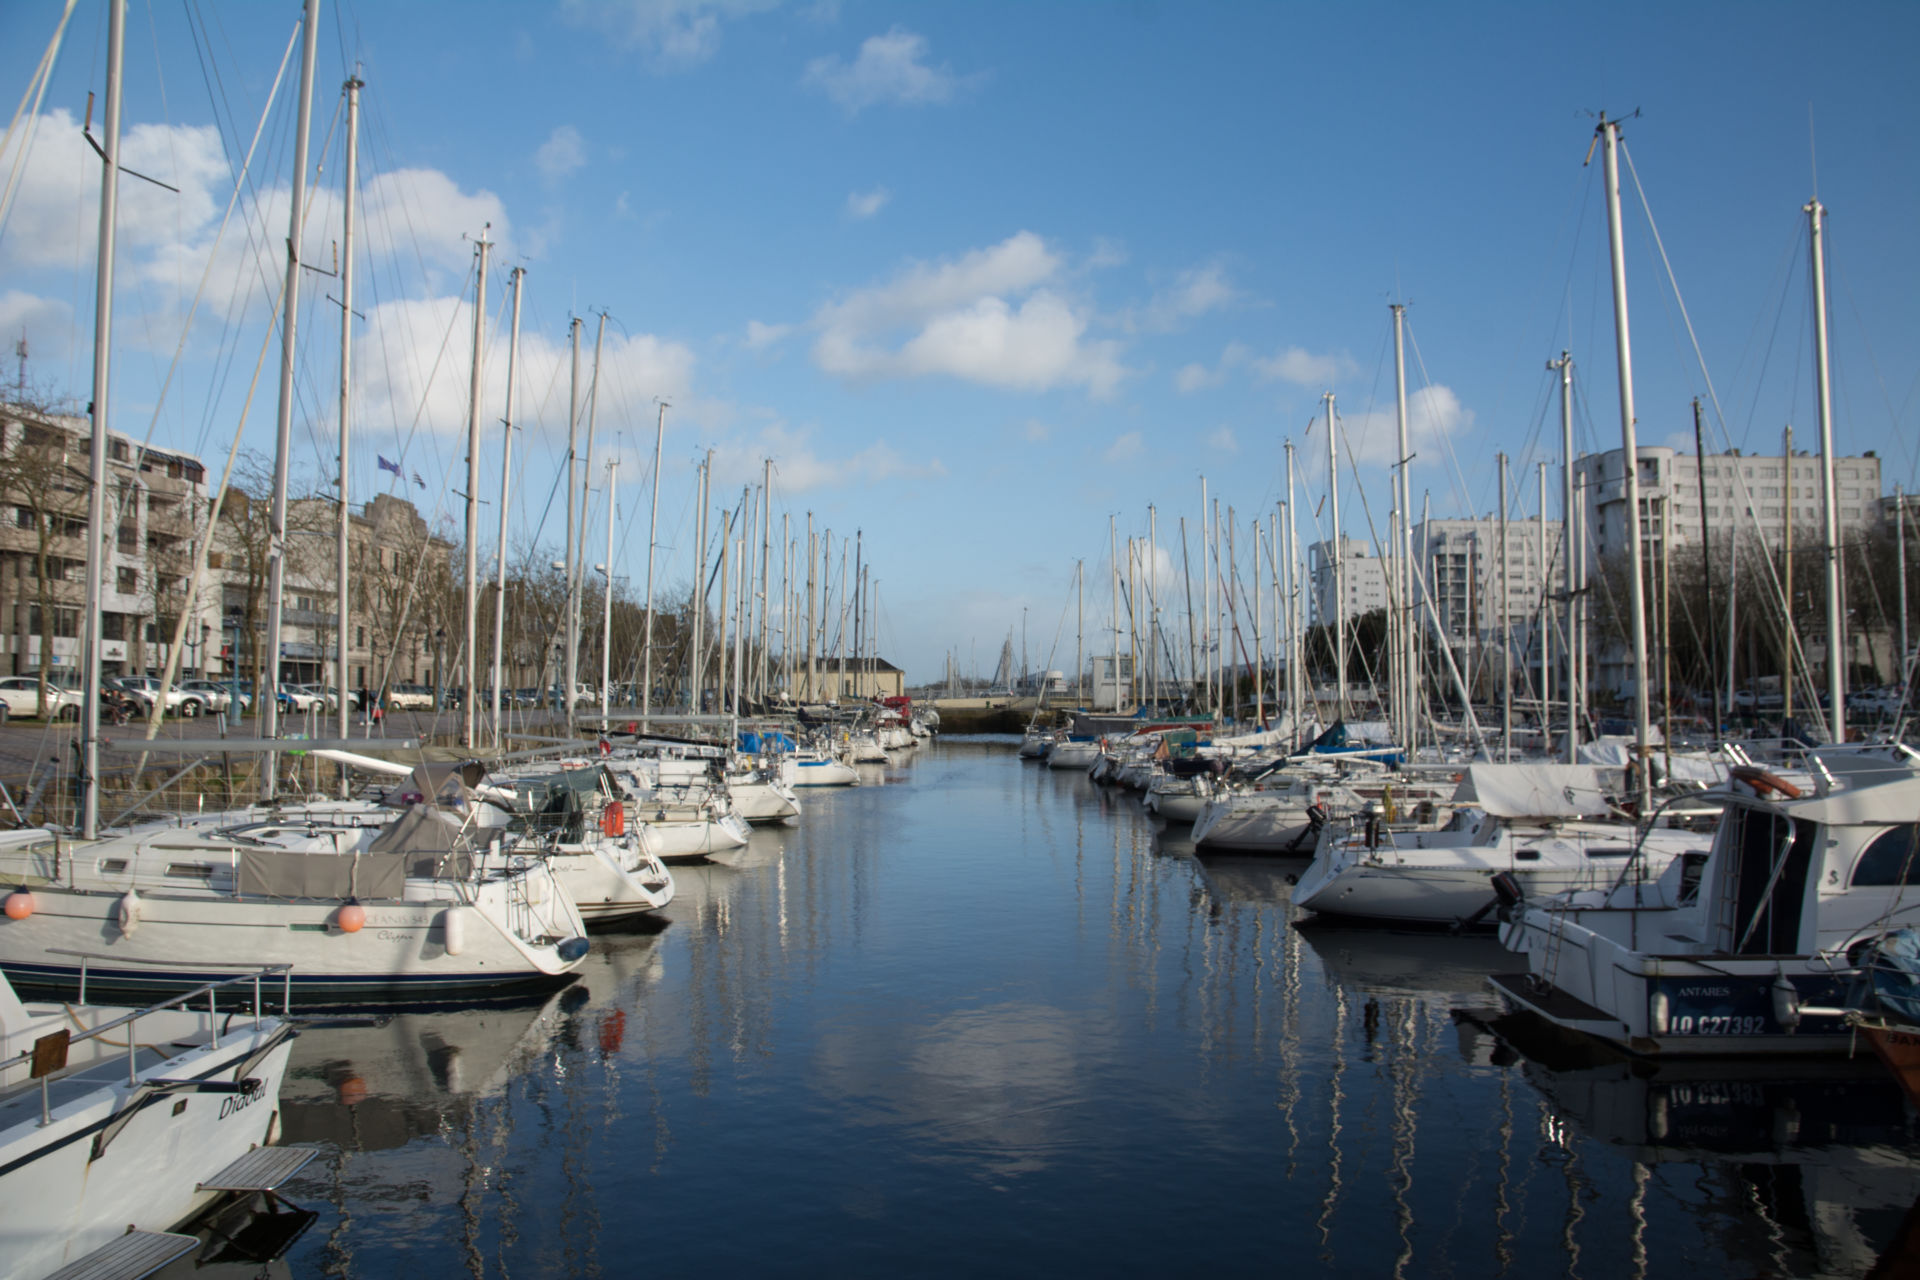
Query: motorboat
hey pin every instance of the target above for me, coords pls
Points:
(1544, 825)
(1755, 948)
(117, 1125)
(1281, 817)
(1074, 753)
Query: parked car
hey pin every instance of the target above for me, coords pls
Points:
(215, 696)
(20, 696)
(410, 697)
(297, 698)
(147, 689)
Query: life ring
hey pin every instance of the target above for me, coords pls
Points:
(1765, 785)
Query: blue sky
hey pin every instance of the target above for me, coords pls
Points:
(977, 277)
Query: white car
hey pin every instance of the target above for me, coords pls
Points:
(20, 696)
(296, 697)
(410, 697)
(179, 701)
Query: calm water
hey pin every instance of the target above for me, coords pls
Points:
(983, 1018)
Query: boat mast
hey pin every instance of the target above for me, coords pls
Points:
(653, 537)
(97, 460)
(1630, 455)
(470, 604)
(1339, 569)
(348, 178)
(766, 552)
(1080, 630)
(1788, 633)
(1900, 561)
(606, 603)
(571, 670)
(1570, 553)
(283, 434)
(506, 477)
(696, 654)
(1706, 563)
(1543, 620)
(1506, 626)
(1153, 605)
(1296, 678)
(1113, 559)
(1404, 632)
(586, 502)
(813, 597)
(859, 598)
(1206, 599)
(1836, 623)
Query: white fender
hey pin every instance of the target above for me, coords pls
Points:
(453, 929)
(127, 914)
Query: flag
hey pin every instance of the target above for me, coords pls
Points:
(418, 481)
(387, 466)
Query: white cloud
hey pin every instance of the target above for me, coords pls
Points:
(1126, 448)
(412, 358)
(563, 152)
(1304, 369)
(1224, 440)
(889, 68)
(965, 323)
(1194, 293)
(672, 33)
(1435, 416)
(1198, 377)
(1036, 431)
(1107, 252)
(765, 335)
(798, 467)
(45, 323)
(864, 204)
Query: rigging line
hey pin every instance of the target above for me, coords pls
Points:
(1880, 380)
(1713, 395)
(1446, 437)
(37, 91)
(206, 272)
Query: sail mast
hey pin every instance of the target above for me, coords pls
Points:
(571, 657)
(506, 478)
(1630, 457)
(1836, 622)
(470, 604)
(97, 461)
(606, 603)
(653, 535)
(341, 602)
(283, 433)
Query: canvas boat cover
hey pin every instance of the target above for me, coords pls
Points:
(428, 841)
(288, 873)
(1534, 790)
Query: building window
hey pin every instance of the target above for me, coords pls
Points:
(127, 581)
(66, 622)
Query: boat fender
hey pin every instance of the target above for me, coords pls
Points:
(573, 949)
(351, 917)
(1764, 785)
(453, 929)
(1786, 1002)
(127, 914)
(1659, 1013)
(19, 904)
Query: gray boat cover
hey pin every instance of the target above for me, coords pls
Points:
(429, 841)
(1534, 790)
(288, 873)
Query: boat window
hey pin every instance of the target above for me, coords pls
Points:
(191, 870)
(113, 866)
(1612, 851)
(1526, 855)
(1892, 858)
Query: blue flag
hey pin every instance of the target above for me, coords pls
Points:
(388, 466)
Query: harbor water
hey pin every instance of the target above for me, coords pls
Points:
(979, 1017)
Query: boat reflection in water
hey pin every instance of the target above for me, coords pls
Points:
(976, 1018)
(1823, 1153)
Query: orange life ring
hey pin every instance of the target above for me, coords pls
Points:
(1764, 784)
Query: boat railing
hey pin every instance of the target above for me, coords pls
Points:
(47, 1057)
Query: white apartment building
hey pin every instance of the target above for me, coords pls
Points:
(1751, 493)
(1364, 576)
(1461, 561)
